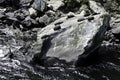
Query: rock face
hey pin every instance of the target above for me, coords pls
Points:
(69, 42)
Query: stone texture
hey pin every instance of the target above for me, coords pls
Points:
(69, 42)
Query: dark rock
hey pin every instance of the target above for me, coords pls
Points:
(70, 15)
(90, 18)
(21, 14)
(57, 27)
(30, 23)
(27, 23)
(58, 23)
(87, 14)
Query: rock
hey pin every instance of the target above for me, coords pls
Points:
(57, 27)
(55, 4)
(11, 3)
(40, 5)
(69, 42)
(58, 23)
(116, 30)
(46, 19)
(2, 15)
(20, 15)
(110, 5)
(90, 18)
(50, 13)
(25, 3)
(96, 7)
(32, 12)
(70, 15)
(3, 51)
(1, 1)
(90, 53)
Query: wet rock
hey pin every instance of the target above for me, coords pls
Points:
(69, 42)
(50, 13)
(40, 5)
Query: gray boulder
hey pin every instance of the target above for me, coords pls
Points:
(71, 39)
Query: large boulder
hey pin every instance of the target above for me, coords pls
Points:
(67, 38)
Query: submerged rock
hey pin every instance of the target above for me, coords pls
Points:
(69, 42)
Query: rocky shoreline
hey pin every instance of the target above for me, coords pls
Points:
(53, 33)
